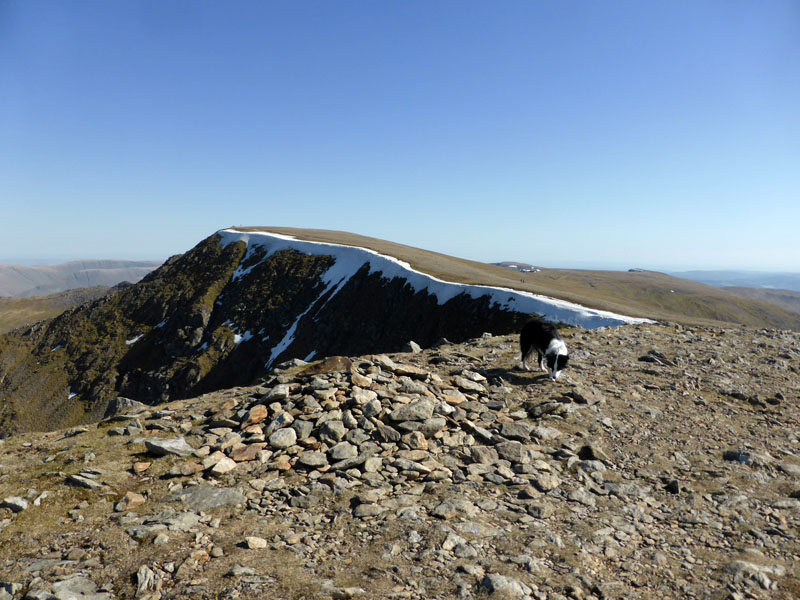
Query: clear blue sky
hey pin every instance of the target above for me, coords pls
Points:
(580, 134)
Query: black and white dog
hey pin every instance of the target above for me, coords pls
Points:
(543, 337)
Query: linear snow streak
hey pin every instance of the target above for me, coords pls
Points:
(330, 281)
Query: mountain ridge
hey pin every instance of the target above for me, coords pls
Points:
(241, 301)
(786, 280)
(223, 313)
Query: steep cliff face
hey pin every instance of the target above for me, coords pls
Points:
(225, 312)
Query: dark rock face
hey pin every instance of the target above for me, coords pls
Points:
(216, 317)
(371, 314)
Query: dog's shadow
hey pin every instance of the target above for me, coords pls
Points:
(517, 376)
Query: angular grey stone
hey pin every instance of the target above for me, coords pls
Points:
(78, 587)
(372, 408)
(202, 499)
(164, 446)
(415, 411)
(516, 431)
(790, 469)
(368, 510)
(144, 533)
(588, 396)
(303, 428)
(240, 571)
(506, 586)
(283, 438)
(432, 426)
(279, 392)
(512, 451)
(343, 450)
(146, 580)
(83, 481)
(546, 433)
(122, 404)
(453, 507)
(282, 420)
(362, 396)
(413, 347)
(313, 460)
(582, 496)
(332, 431)
(468, 384)
(547, 481)
(411, 386)
(742, 570)
(485, 455)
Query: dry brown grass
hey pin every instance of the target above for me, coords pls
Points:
(18, 312)
(21, 312)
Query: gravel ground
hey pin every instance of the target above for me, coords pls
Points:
(664, 463)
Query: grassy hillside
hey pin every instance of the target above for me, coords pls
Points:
(19, 312)
(641, 294)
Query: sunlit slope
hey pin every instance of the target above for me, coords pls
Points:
(19, 312)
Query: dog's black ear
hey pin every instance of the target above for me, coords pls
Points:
(563, 359)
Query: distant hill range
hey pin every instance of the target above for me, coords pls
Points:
(247, 299)
(740, 279)
(26, 281)
(785, 298)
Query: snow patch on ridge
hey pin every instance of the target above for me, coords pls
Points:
(349, 259)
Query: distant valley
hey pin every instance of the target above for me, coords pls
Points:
(785, 298)
(748, 279)
(25, 281)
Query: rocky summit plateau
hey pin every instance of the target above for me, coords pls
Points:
(664, 463)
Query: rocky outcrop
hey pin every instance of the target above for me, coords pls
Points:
(664, 463)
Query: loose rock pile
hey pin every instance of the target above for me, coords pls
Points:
(665, 464)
